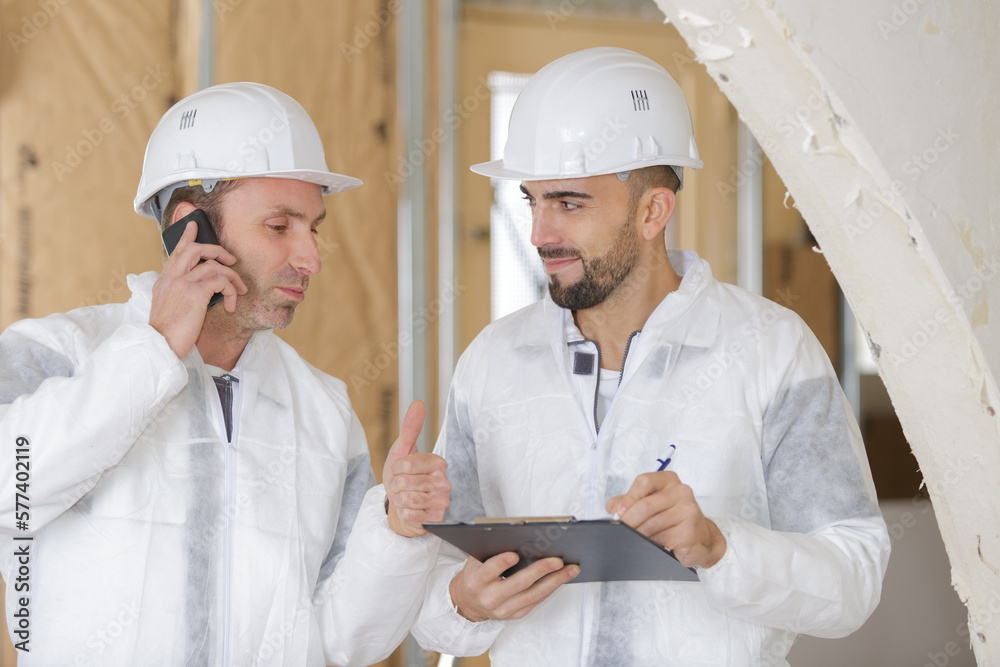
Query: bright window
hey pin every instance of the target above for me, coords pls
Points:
(517, 278)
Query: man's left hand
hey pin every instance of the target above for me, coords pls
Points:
(663, 509)
(415, 482)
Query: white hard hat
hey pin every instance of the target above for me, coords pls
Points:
(233, 130)
(599, 111)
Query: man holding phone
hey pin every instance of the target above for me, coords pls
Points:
(194, 482)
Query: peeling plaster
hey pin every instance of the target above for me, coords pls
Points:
(694, 20)
(713, 52)
(895, 181)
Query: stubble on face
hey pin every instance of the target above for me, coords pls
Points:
(263, 306)
(602, 275)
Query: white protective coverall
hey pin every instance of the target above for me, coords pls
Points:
(155, 542)
(763, 436)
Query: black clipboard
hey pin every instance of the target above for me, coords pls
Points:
(605, 549)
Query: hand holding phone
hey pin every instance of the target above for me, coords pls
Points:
(195, 273)
(172, 234)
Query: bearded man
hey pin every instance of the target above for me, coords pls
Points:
(704, 416)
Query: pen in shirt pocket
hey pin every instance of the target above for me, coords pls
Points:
(661, 466)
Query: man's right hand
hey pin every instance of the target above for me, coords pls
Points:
(481, 594)
(182, 292)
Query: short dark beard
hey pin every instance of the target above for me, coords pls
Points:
(601, 275)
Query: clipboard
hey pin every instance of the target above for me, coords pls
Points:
(605, 549)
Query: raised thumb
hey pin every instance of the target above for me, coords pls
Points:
(409, 430)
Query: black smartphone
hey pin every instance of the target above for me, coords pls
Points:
(172, 234)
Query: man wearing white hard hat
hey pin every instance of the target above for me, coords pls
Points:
(193, 481)
(707, 418)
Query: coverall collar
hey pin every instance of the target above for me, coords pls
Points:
(667, 320)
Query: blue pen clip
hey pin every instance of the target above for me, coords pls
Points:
(664, 462)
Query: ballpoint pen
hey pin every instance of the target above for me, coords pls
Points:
(664, 462)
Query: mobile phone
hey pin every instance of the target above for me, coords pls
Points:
(172, 234)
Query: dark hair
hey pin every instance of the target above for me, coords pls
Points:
(657, 176)
(209, 202)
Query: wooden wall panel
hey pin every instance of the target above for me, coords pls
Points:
(81, 86)
(338, 61)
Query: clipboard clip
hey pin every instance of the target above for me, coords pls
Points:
(523, 520)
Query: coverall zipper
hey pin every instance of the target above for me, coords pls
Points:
(229, 502)
(591, 476)
(628, 346)
(585, 621)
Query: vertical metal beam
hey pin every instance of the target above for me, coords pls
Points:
(410, 43)
(206, 58)
(410, 217)
(749, 212)
(448, 183)
(447, 198)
